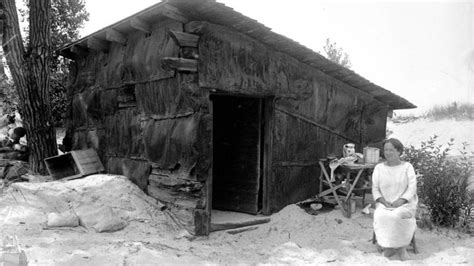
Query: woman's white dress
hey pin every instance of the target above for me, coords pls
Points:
(394, 227)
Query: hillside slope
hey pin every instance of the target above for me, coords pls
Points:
(416, 131)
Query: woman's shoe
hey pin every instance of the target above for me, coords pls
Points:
(388, 252)
(403, 254)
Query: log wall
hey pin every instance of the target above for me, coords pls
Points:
(144, 105)
(314, 114)
(148, 121)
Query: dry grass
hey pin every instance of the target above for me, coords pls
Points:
(454, 110)
(460, 111)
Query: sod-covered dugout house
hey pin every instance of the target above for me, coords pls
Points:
(205, 108)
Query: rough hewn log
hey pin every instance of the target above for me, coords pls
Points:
(196, 27)
(180, 64)
(300, 117)
(171, 180)
(184, 39)
(175, 197)
(97, 44)
(112, 35)
(140, 25)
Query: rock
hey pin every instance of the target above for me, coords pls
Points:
(102, 220)
(64, 219)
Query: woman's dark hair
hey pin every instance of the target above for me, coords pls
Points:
(396, 144)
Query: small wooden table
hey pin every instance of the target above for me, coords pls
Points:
(349, 168)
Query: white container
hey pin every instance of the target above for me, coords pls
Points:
(371, 155)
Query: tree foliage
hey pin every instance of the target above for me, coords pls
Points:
(336, 54)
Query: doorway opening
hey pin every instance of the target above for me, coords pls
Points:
(238, 137)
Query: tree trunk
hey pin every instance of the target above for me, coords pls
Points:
(30, 72)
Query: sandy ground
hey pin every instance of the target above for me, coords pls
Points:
(151, 238)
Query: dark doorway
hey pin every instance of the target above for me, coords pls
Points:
(237, 153)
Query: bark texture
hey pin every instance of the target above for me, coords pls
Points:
(30, 72)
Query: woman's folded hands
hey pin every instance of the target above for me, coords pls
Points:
(399, 202)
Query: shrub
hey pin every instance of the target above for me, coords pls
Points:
(9, 97)
(57, 96)
(58, 99)
(442, 182)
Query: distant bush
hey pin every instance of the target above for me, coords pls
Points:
(9, 97)
(404, 118)
(442, 182)
(57, 96)
(452, 110)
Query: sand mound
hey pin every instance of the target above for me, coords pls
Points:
(33, 201)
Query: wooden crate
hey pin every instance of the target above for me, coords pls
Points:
(74, 164)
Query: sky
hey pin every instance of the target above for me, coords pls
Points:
(422, 51)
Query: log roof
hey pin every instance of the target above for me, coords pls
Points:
(218, 13)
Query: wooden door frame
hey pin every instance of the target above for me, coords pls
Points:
(269, 121)
(268, 115)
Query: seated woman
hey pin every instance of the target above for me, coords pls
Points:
(394, 191)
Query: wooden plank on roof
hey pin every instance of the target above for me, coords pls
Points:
(112, 35)
(173, 13)
(328, 68)
(376, 93)
(315, 64)
(98, 44)
(358, 83)
(243, 24)
(140, 25)
(253, 30)
(346, 76)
